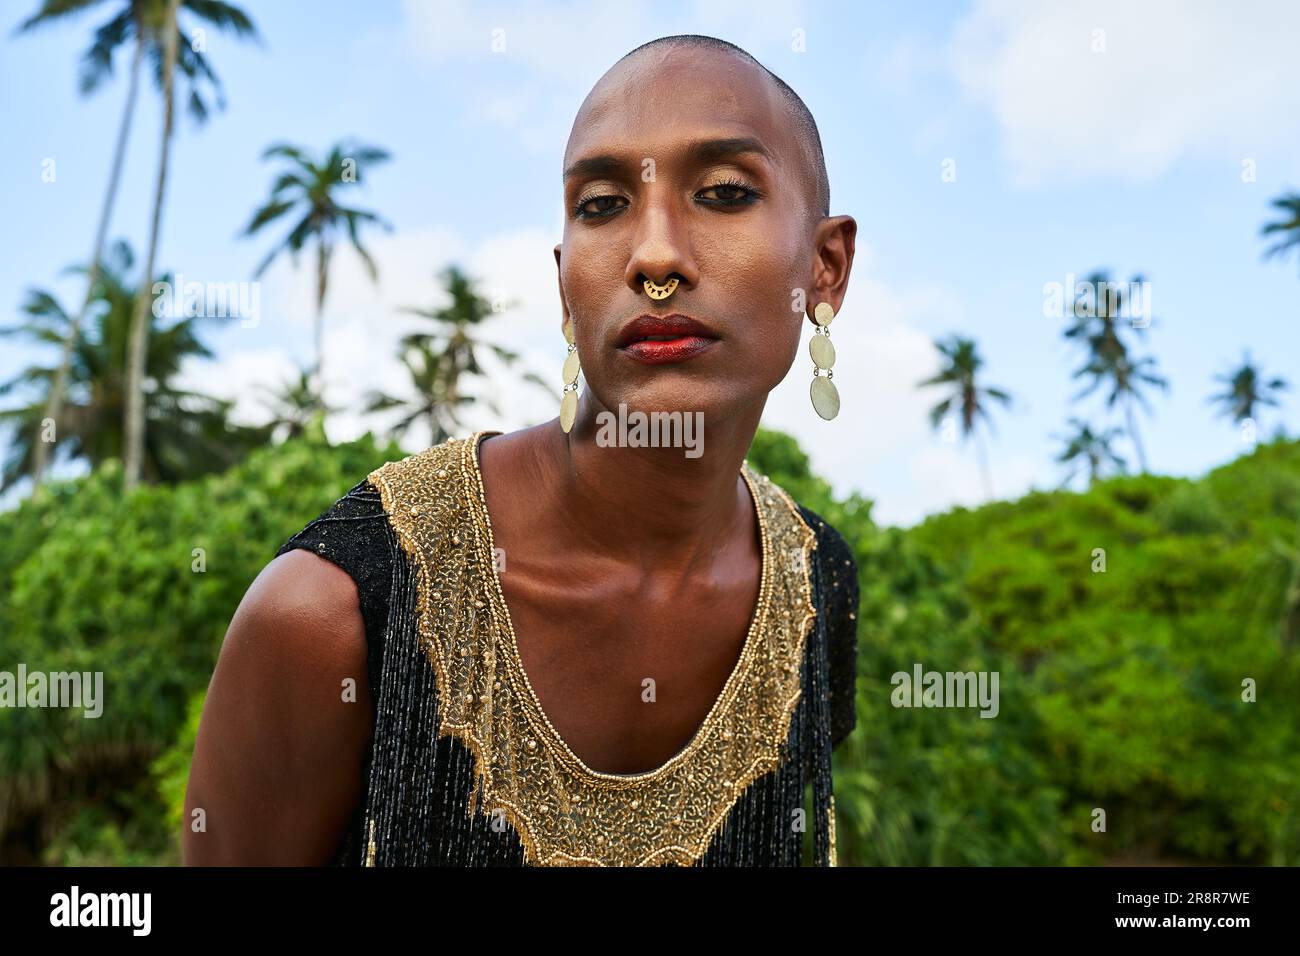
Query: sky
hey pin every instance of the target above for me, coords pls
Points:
(987, 150)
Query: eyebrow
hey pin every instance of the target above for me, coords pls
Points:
(699, 151)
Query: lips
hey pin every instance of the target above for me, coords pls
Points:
(654, 339)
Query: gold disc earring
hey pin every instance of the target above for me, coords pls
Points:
(825, 396)
(569, 397)
(661, 291)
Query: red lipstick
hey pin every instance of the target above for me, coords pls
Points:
(656, 339)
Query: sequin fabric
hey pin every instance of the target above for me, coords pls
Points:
(465, 770)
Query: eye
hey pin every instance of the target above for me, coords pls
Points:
(580, 212)
(734, 192)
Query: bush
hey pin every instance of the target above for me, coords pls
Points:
(140, 587)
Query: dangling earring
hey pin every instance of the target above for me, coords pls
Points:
(569, 399)
(825, 396)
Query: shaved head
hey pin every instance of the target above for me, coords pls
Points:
(814, 162)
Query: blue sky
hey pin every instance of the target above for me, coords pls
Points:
(1082, 136)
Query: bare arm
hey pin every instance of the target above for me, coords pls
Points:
(278, 760)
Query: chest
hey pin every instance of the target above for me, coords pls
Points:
(627, 670)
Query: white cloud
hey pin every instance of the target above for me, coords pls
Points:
(240, 375)
(364, 321)
(1174, 78)
(946, 474)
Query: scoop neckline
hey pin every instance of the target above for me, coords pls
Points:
(536, 715)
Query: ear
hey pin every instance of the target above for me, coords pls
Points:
(832, 262)
(564, 305)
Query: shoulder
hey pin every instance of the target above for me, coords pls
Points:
(302, 606)
(832, 549)
(437, 470)
(281, 734)
(829, 540)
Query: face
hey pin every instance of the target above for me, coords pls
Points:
(684, 164)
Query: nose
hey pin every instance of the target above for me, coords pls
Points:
(661, 246)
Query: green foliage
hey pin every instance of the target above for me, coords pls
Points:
(1132, 677)
(1119, 690)
(100, 581)
(171, 770)
(919, 786)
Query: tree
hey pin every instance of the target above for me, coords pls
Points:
(1125, 378)
(443, 359)
(294, 406)
(1096, 309)
(97, 65)
(1094, 448)
(1108, 360)
(133, 453)
(970, 399)
(1246, 390)
(309, 190)
(1286, 227)
(189, 433)
(431, 403)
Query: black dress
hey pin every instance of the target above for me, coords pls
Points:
(464, 769)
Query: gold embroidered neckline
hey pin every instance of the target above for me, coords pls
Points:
(564, 812)
(537, 715)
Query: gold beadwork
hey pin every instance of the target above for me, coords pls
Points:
(521, 764)
(370, 846)
(831, 813)
(656, 291)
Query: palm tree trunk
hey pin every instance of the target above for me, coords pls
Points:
(322, 275)
(1133, 433)
(987, 476)
(54, 404)
(139, 343)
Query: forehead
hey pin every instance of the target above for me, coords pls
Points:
(659, 98)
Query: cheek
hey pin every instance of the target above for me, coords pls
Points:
(762, 281)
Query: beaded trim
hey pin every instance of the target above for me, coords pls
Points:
(564, 812)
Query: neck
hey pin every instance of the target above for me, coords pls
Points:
(656, 506)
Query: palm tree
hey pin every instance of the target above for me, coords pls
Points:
(135, 22)
(309, 189)
(443, 359)
(1286, 227)
(432, 404)
(129, 23)
(1246, 390)
(1125, 378)
(1108, 358)
(1095, 317)
(960, 371)
(1092, 447)
(189, 433)
(133, 453)
(294, 406)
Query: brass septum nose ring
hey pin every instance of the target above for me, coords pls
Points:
(661, 291)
